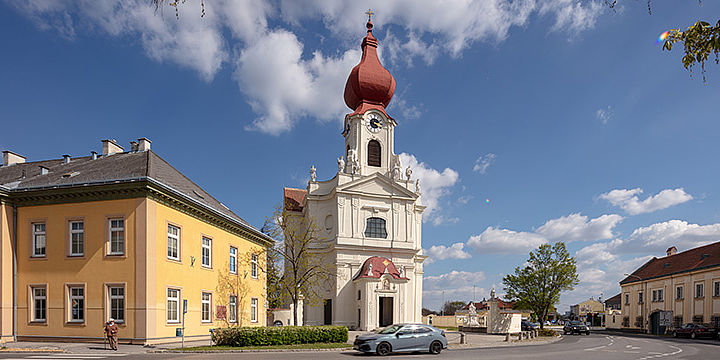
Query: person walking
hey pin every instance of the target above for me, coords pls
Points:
(111, 330)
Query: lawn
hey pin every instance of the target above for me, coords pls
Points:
(293, 346)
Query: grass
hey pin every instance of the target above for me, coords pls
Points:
(293, 346)
(453, 328)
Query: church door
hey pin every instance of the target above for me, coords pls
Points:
(328, 312)
(386, 311)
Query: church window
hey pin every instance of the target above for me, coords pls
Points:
(374, 152)
(375, 227)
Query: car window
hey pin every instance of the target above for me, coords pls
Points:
(423, 330)
(390, 329)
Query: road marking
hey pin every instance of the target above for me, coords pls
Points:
(601, 346)
(677, 351)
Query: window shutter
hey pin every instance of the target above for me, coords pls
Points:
(374, 152)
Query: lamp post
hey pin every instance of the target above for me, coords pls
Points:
(642, 309)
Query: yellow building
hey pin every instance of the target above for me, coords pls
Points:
(673, 290)
(121, 235)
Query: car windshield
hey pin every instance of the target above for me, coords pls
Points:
(576, 323)
(390, 329)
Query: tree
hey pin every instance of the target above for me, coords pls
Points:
(426, 312)
(549, 271)
(699, 40)
(450, 307)
(232, 284)
(305, 273)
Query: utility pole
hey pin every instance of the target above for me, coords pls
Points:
(473, 300)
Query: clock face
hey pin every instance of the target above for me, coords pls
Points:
(374, 122)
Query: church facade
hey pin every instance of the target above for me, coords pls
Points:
(369, 215)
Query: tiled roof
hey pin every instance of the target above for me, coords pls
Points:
(294, 199)
(380, 266)
(105, 169)
(702, 257)
(613, 300)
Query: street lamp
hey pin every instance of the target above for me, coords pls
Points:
(642, 309)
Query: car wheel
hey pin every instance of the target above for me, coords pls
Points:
(436, 347)
(675, 334)
(564, 332)
(383, 349)
(692, 335)
(587, 333)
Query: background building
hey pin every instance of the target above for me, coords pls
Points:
(122, 235)
(673, 290)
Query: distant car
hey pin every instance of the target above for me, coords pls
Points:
(402, 338)
(696, 331)
(527, 326)
(277, 323)
(576, 327)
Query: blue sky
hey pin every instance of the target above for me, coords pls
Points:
(566, 116)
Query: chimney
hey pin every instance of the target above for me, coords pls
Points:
(133, 146)
(94, 155)
(143, 144)
(66, 159)
(11, 158)
(111, 146)
(671, 251)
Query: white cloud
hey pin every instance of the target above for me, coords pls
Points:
(433, 184)
(658, 237)
(503, 241)
(234, 32)
(576, 227)
(441, 252)
(604, 115)
(465, 199)
(483, 162)
(629, 201)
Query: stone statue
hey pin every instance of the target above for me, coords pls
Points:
(417, 186)
(386, 284)
(492, 293)
(313, 174)
(353, 161)
(397, 169)
(370, 273)
(472, 315)
(341, 164)
(408, 173)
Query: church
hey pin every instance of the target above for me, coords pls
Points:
(369, 214)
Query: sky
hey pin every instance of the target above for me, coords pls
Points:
(527, 121)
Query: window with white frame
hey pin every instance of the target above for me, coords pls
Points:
(232, 309)
(254, 265)
(233, 260)
(716, 288)
(117, 303)
(117, 236)
(173, 305)
(640, 297)
(205, 303)
(39, 303)
(173, 242)
(77, 303)
(627, 299)
(77, 238)
(679, 293)
(206, 252)
(253, 310)
(39, 240)
(657, 295)
(699, 290)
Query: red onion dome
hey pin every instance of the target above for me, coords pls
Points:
(369, 82)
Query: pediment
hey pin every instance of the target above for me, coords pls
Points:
(377, 184)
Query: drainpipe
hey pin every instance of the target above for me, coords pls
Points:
(15, 274)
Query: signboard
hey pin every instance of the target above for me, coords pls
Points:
(220, 312)
(178, 332)
(665, 318)
(184, 306)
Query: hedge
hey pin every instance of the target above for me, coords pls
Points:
(276, 335)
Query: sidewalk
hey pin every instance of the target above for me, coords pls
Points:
(70, 347)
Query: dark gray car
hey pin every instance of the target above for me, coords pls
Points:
(402, 338)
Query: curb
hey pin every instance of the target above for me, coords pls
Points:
(246, 351)
(30, 350)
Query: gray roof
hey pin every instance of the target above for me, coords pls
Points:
(109, 168)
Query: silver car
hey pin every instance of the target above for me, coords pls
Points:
(402, 338)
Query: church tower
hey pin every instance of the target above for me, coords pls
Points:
(369, 214)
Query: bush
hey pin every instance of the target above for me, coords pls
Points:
(547, 332)
(286, 335)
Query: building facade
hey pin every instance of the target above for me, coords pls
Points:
(669, 291)
(370, 213)
(121, 235)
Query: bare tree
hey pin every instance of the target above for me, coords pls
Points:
(232, 284)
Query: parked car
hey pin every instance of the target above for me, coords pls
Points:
(402, 338)
(576, 327)
(696, 330)
(527, 326)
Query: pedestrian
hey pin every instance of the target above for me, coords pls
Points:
(111, 330)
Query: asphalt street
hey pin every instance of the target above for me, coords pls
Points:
(595, 346)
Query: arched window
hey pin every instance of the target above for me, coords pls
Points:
(375, 228)
(374, 152)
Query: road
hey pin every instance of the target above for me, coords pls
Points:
(595, 346)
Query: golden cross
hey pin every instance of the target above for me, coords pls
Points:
(369, 13)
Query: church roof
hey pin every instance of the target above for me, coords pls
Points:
(369, 85)
(376, 266)
(294, 199)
